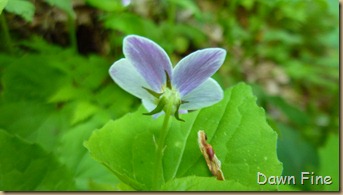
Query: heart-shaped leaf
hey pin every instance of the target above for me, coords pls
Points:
(236, 128)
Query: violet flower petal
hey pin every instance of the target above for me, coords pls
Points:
(206, 94)
(197, 67)
(127, 77)
(150, 60)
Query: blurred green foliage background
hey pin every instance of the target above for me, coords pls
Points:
(55, 88)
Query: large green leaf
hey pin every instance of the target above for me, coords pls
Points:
(27, 167)
(236, 128)
(23, 8)
(3, 3)
(116, 146)
(193, 183)
(329, 162)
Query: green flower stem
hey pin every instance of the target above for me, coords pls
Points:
(159, 178)
(171, 13)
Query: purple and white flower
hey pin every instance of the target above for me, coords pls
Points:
(147, 73)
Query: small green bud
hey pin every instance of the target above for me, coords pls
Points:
(169, 99)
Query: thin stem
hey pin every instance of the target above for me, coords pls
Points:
(72, 32)
(158, 175)
(171, 13)
(6, 37)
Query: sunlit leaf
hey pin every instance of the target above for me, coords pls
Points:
(329, 162)
(247, 4)
(23, 8)
(106, 5)
(65, 93)
(65, 5)
(83, 110)
(193, 183)
(3, 4)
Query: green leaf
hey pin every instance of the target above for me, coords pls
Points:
(82, 111)
(118, 153)
(88, 174)
(106, 5)
(236, 128)
(35, 122)
(247, 4)
(329, 162)
(188, 5)
(34, 85)
(193, 183)
(244, 142)
(115, 97)
(65, 5)
(3, 4)
(38, 44)
(129, 23)
(65, 93)
(23, 8)
(294, 114)
(27, 167)
(297, 155)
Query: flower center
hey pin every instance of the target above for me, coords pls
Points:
(171, 99)
(168, 101)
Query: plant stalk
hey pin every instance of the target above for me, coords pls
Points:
(6, 37)
(72, 32)
(158, 174)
